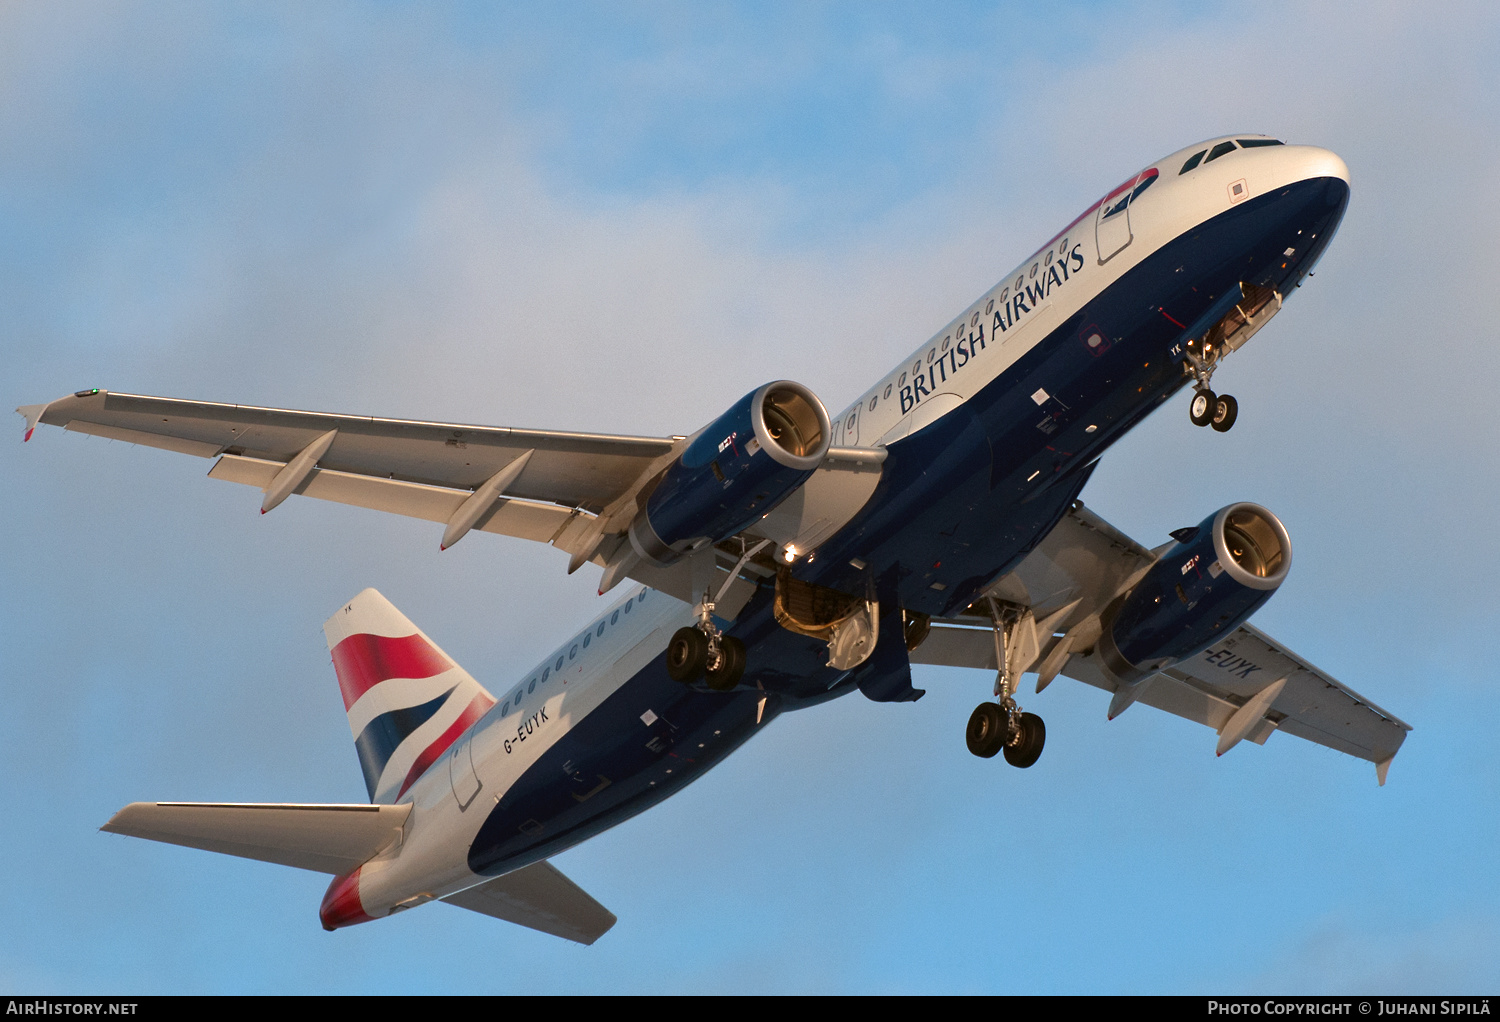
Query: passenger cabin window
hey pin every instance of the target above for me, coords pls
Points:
(1193, 161)
(1219, 150)
(1252, 143)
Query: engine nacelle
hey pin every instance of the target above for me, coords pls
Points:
(736, 469)
(1203, 587)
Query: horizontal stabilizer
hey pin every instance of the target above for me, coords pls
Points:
(540, 897)
(324, 838)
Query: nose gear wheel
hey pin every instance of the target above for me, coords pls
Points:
(1226, 410)
(1208, 408)
(1203, 406)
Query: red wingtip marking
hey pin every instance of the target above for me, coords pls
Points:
(262, 510)
(28, 434)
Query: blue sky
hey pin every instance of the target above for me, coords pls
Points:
(619, 218)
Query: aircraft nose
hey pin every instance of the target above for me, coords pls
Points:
(1315, 162)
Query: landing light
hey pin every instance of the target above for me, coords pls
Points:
(789, 554)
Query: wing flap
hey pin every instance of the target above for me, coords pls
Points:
(524, 519)
(949, 645)
(1088, 560)
(1210, 687)
(540, 897)
(323, 838)
(181, 445)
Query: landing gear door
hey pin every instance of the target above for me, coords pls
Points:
(1112, 227)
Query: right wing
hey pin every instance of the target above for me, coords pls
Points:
(1245, 686)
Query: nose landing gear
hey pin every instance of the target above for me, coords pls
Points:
(1216, 410)
(1208, 408)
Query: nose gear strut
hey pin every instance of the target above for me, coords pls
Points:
(1208, 408)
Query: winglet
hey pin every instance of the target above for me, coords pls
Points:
(32, 414)
(1124, 696)
(1382, 768)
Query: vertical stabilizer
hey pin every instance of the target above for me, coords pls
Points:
(407, 701)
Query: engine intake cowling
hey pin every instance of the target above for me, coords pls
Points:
(736, 469)
(1204, 586)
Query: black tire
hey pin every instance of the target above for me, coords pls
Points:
(687, 654)
(1201, 409)
(986, 731)
(1029, 749)
(731, 665)
(1226, 410)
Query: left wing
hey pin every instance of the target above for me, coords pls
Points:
(576, 491)
(1246, 686)
(419, 469)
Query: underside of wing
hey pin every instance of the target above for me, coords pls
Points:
(324, 838)
(576, 470)
(1244, 685)
(541, 898)
(1248, 686)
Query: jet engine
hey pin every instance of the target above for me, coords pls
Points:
(1205, 586)
(736, 469)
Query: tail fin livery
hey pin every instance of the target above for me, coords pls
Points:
(407, 701)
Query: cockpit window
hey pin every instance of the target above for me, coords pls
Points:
(1193, 161)
(1251, 143)
(1220, 150)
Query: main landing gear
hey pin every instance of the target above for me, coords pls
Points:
(1208, 408)
(1002, 726)
(702, 650)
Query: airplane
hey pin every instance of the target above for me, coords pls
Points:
(780, 557)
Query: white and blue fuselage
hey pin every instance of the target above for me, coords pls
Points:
(991, 428)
